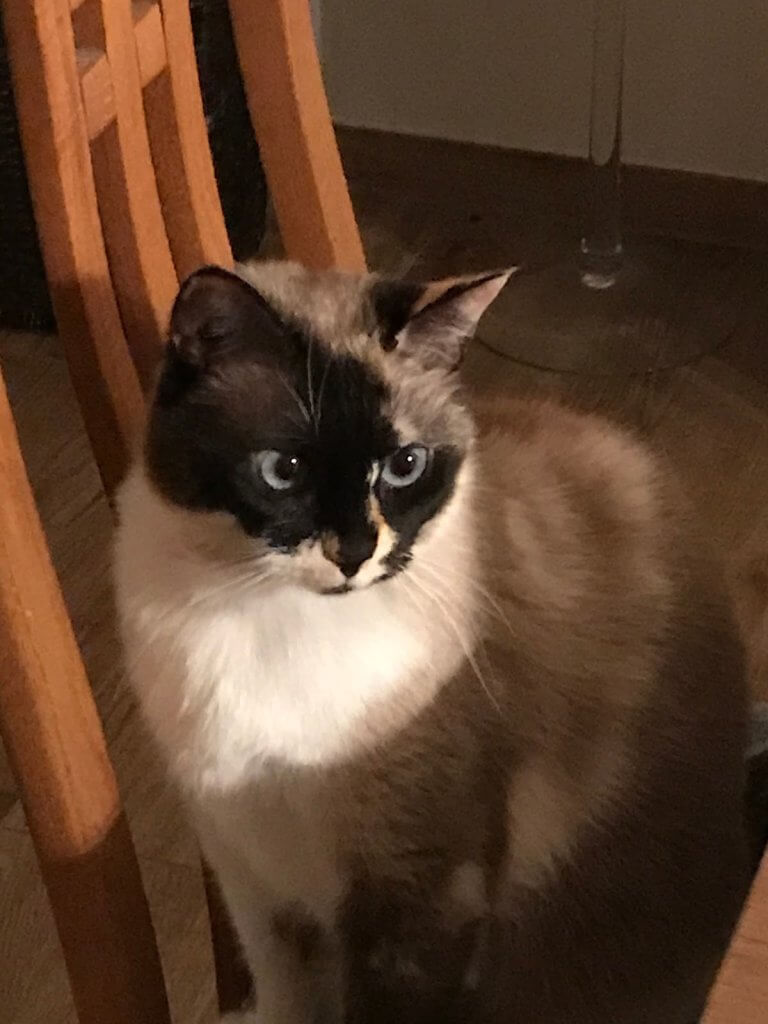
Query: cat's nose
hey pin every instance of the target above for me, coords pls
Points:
(349, 569)
(353, 550)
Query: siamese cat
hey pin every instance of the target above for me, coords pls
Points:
(458, 715)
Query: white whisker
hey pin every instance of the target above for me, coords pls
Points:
(231, 587)
(465, 646)
(492, 605)
(310, 389)
(321, 392)
(296, 396)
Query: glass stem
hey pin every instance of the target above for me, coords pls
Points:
(601, 245)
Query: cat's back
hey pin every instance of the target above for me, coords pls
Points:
(612, 593)
(631, 691)
(595, 549)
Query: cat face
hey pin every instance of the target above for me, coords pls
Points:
(318, 410)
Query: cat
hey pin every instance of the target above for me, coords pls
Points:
(458, 715)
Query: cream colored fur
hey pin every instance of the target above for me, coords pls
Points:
(550, 576)
(244, 674)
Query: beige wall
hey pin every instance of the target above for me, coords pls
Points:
(516, 73)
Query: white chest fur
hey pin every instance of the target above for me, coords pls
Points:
(272, 845)
(249, 688)
(271, 675)
(232, 677)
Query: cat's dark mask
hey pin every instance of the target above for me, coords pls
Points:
(318, 409)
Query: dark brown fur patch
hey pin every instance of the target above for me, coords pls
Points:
(294, 926)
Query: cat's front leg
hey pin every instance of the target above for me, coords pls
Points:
(292, 987)
(297, 970)
(293, 959)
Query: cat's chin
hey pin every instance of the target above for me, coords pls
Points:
(352, 587)
(343, 588)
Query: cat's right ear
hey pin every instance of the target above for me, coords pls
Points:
(215, 312)
(432, 322)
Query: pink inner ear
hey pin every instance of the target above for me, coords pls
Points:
(445, 316)
(469, 296)
(479, 297)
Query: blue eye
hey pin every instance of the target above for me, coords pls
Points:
(279, 470)
(405, 466)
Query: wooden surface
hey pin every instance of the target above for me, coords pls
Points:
(182, 157)
(467, 208)
(95, 72)
(141, 265)
(119, 74)
(55, 138)
(53, 738)
(741, 993)
(289, 110)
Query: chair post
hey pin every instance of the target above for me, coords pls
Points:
(289, 110)
(141, 265)
(55, 745)
(184, 168)
(55, 138)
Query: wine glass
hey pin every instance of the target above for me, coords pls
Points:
(608, 307)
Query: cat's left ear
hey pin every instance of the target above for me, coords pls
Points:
(433, 322)
(216, 313)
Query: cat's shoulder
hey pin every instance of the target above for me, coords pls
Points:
(546, 443)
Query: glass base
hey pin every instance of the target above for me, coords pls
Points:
(669, 304)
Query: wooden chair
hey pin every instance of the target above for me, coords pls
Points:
(125, 201)
(740, 995)
(126, 204)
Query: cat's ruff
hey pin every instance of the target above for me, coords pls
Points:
(233, 675)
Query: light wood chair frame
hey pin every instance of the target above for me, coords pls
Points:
(126, 205)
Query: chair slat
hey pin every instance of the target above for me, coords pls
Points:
(96, 76)
(54, 741)
(150, 40)
(182, 157)
(289, 110)
(140, 258)
(131, 85)
(45, 80)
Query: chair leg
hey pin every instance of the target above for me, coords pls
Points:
(55, 745)
(289, 110)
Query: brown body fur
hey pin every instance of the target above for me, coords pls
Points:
(592, 766)
(558, 835)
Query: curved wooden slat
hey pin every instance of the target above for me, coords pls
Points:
(54, 741)
(182, 156)
(95, 74)
(289, 110)
(150, 43)
(123, 50)
(740, 994)
(140, 258)
(42, 58)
